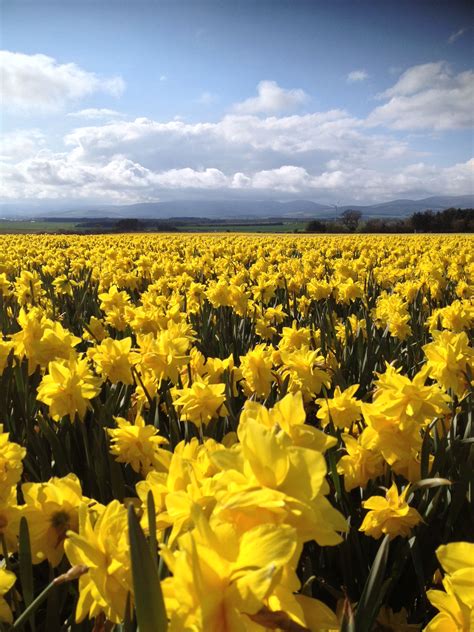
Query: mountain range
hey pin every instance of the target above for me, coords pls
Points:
(232, 209)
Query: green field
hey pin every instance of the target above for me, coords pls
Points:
(31, 226)
(287, 227)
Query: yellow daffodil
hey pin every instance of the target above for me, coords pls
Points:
(306, 371)
(102, 546)
(289, 415)
(113, 360)
(219, 579)
(11, 466)
(10, 515)
(342, 409)
(7, 580)
(448, 358)
(5, 350)
(200, 402)
(51, 510)
(390, 515)
(67, 388)
(363, 460)
(139, 445)
(456, 604)
(256, 369)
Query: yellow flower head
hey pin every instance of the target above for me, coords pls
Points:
(448, 358)
(412, 403)
(342, 409)
(102, 545)
(200, 402)
(113, 360)
(219, 579)
(51, 510)
(28, 288)
(7, 580)
(456, 605)
(306, 370)
(67, 388)
(288, 415)
(363, 460)
(5, 348)
(256, 369)
(390, 515)
(11, 467)
(95, 330)
(267, 480)
(165, 353)
(139, 445)
(10, 515)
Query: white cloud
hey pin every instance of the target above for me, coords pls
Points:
(21, 144)
(328, 156)
(38, 82)
(416, 180)
(96, 113)
(418, 78)
(357, 75)
(163, 78)
(456, 35)
(191, 179)
(286, 178)
(428, 96)
(271, 98)
(236, 140)
(65, 176)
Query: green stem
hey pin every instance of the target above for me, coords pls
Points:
(26, 614)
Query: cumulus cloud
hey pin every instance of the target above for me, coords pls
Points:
(66, 176)
(96, 113)
(21, 144)
(38, 82)
(414, 180)
(287, 178)
(456, 35)
(327, 156)
(271, 98)
(357, 76)
(427, 96)
(237, 140)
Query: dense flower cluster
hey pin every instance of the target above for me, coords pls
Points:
(276, 411)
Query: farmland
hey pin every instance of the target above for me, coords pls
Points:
(236, 432)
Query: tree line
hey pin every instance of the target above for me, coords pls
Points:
(451, 220)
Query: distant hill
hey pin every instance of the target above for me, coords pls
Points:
(403, 208)
(230, 209)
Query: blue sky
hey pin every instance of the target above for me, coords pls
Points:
(328, 100)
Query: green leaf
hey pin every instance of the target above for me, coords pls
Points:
(128, 625)
(374, 589)
(149, 603)
(26, 567)
(152, 527)
(56, 447)
(116, 478)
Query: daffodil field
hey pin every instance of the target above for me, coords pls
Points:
(236, 433)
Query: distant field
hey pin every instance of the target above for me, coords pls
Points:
(288, 227)
(8, 226)
(17, 227)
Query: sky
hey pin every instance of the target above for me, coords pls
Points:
(119, 102)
